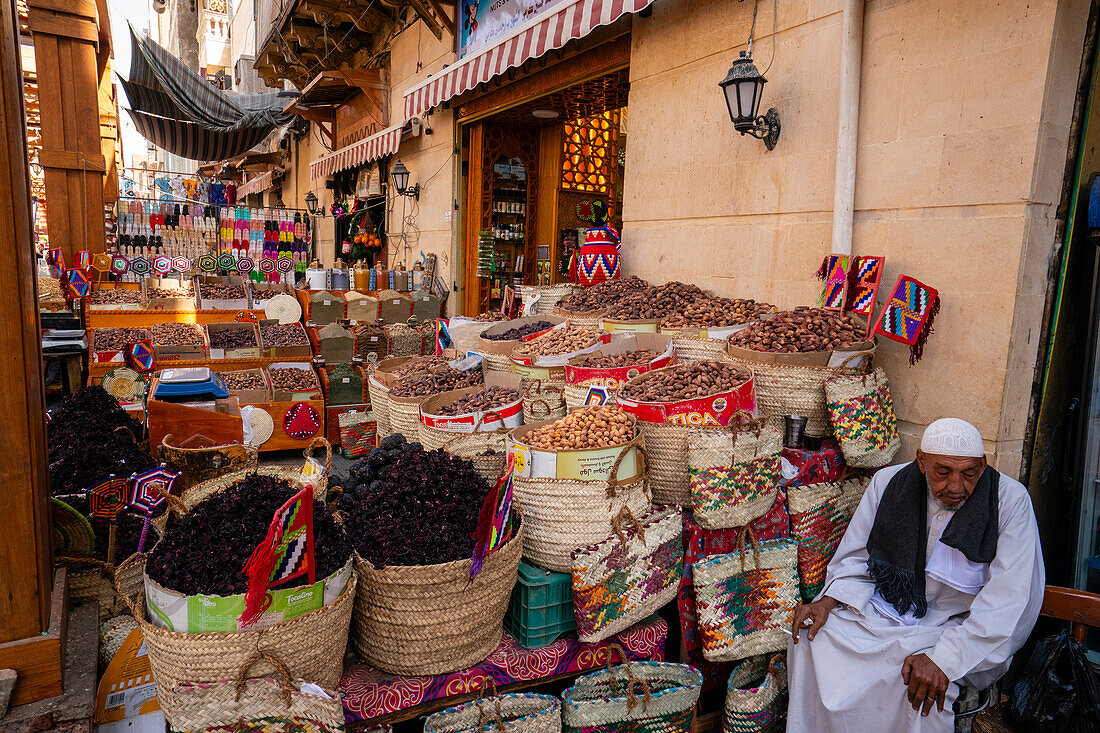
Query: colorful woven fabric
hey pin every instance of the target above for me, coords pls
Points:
(758, 704)
(624, 579)
(868, 276)
(733, 474)
(908, 315)
(746, 599)
(812, 467)
(861, 410)
(836, 279)
(639, 697)
(358, 433)
(819, 515)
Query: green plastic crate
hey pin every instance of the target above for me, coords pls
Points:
(541, 608)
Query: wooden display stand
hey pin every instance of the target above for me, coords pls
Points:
(97, 370)
(121, 318)
(183, 421)
(279, 440)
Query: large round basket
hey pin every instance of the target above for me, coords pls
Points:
(195, 465)
(380, 405)
(434, 438)
(668, 465)
(497, 363)
(543, 399)
(405, 416)
(472, 446)
(433, 619)
(694, 348)
(203, 491)
(585, 319)
(790, 389)
(311, 647)
(549, 295)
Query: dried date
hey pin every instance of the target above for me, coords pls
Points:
(685, 382)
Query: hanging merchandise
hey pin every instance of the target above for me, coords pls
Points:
(908, 315)
(734, 473)
(861, 411)
(834, 271)
(864, 277)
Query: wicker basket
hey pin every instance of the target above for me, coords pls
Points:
(694, 348)
(433, 619)
(195, 465)
(668, 460)
(790, 389)
(471, 445)
(405, 416)
(543, 399)
(93, 580)
(277, 700)
(511, 713)
(497, 363)
(646, 697)
(585, 319)
(206, 489)
(380, 405)
(549, 295)
(311, 647)
(434, 438)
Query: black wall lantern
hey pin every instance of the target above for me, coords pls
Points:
(743, 87)
(400, 176)
(311, 202)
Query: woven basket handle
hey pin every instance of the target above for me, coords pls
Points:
(135, 609)
(487, 413)
(864, 369)
(542, 402)
(625, 516)
(175, 504)
(631, 681)
(320, 441)
(535, 384)
(613, 482)
(128, 430)
(747, 537)
(286, 684)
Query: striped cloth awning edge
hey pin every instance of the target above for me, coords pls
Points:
(258, 184)
(547, 33)
(370, 148)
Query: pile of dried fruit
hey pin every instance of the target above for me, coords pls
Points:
(205, 550)
(491, 317)
(596, 360)
(184, 290)
(491, 398)
(177, 334)
(117, 339)
(406, 506)
(560, 341)
(290, 379)
(283, 334)
(601, 296)
(801, 330)
(233, 338)
(115, 296)
(686, 381)
(656, 302)
(419, 365)
(222, 291)
(88, 438)
(519, 332)
(441, 380)
(244, 379)
(589, 427)
(717, 312)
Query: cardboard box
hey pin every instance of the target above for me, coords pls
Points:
(129, 287)
(181, 352)
(710, 411)
(512, 413)
(228, 304)
(253, 396)
(615, 378)
(505, 348)
(246, 352)
(285, 352)
(107, 355)
(283, 396)
(263, 292)
(167, 304)
(809, 358)
(590, 464)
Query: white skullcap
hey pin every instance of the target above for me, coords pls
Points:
(951, 436)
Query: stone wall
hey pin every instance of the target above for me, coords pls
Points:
(963, 132)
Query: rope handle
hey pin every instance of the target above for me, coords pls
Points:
(286, 682)
(129, 430)
(533, 384)
(626, 516)
(866, 368)
(175, 504)
(613, 482)
(542, 402)
(482, 716)
(746, 534)
(320, 441)
(135, 609)
(631, 680)
(487, 413)
(742, 422)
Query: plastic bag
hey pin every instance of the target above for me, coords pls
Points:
(1056, 692)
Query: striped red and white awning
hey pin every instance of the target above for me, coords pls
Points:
(259, 184)
(552, 30)
(370, 148)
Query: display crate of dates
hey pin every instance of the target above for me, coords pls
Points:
(110, 344)
(294, 382)
(671, 402)
(793, 353)
(178, 341)
(287, 340)
(586, 306)
(114, 296)
(613, 365)
(251, 386)
(496, 405)
(169, 293)
(406, 395)
(642, 310)
(498, 341)
(234, 341)
(225, 293)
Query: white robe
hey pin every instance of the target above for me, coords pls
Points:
(848, 679)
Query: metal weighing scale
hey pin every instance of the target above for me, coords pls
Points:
(190, 384)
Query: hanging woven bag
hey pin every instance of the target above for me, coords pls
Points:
(756, 700)
(861, 411)
(734, 474)
(745, 600)
(819, 515)
(629, 576)
(636, 697)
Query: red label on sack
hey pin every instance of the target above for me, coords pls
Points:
(465, 423)
(613, 378)
(712, 411)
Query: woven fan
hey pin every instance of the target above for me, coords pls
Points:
(283, 308)
(263, 427)
(122, 383)
(72, 533)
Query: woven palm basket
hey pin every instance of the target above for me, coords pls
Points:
(380, 405)
(471, 445)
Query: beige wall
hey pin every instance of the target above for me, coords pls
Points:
(965, 108)
(429, 158)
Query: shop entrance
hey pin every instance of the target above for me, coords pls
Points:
(534, 166)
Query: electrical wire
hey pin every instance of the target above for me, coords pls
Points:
(752, 31)
(774, 14)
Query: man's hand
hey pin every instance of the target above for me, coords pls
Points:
(816, 612)
(926, 682)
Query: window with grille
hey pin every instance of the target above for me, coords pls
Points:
(590, 153)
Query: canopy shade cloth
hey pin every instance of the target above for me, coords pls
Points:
(176, 109)
(259, 184)
(358, 153)
(545, 32)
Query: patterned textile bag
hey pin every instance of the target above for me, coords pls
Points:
(862, 413)
(514, 713)
(638, 697)
(819, 515)
(734, 473)
(746, 599)
(629, 576)
(756, 700)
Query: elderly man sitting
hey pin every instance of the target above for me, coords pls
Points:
(938, 580)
